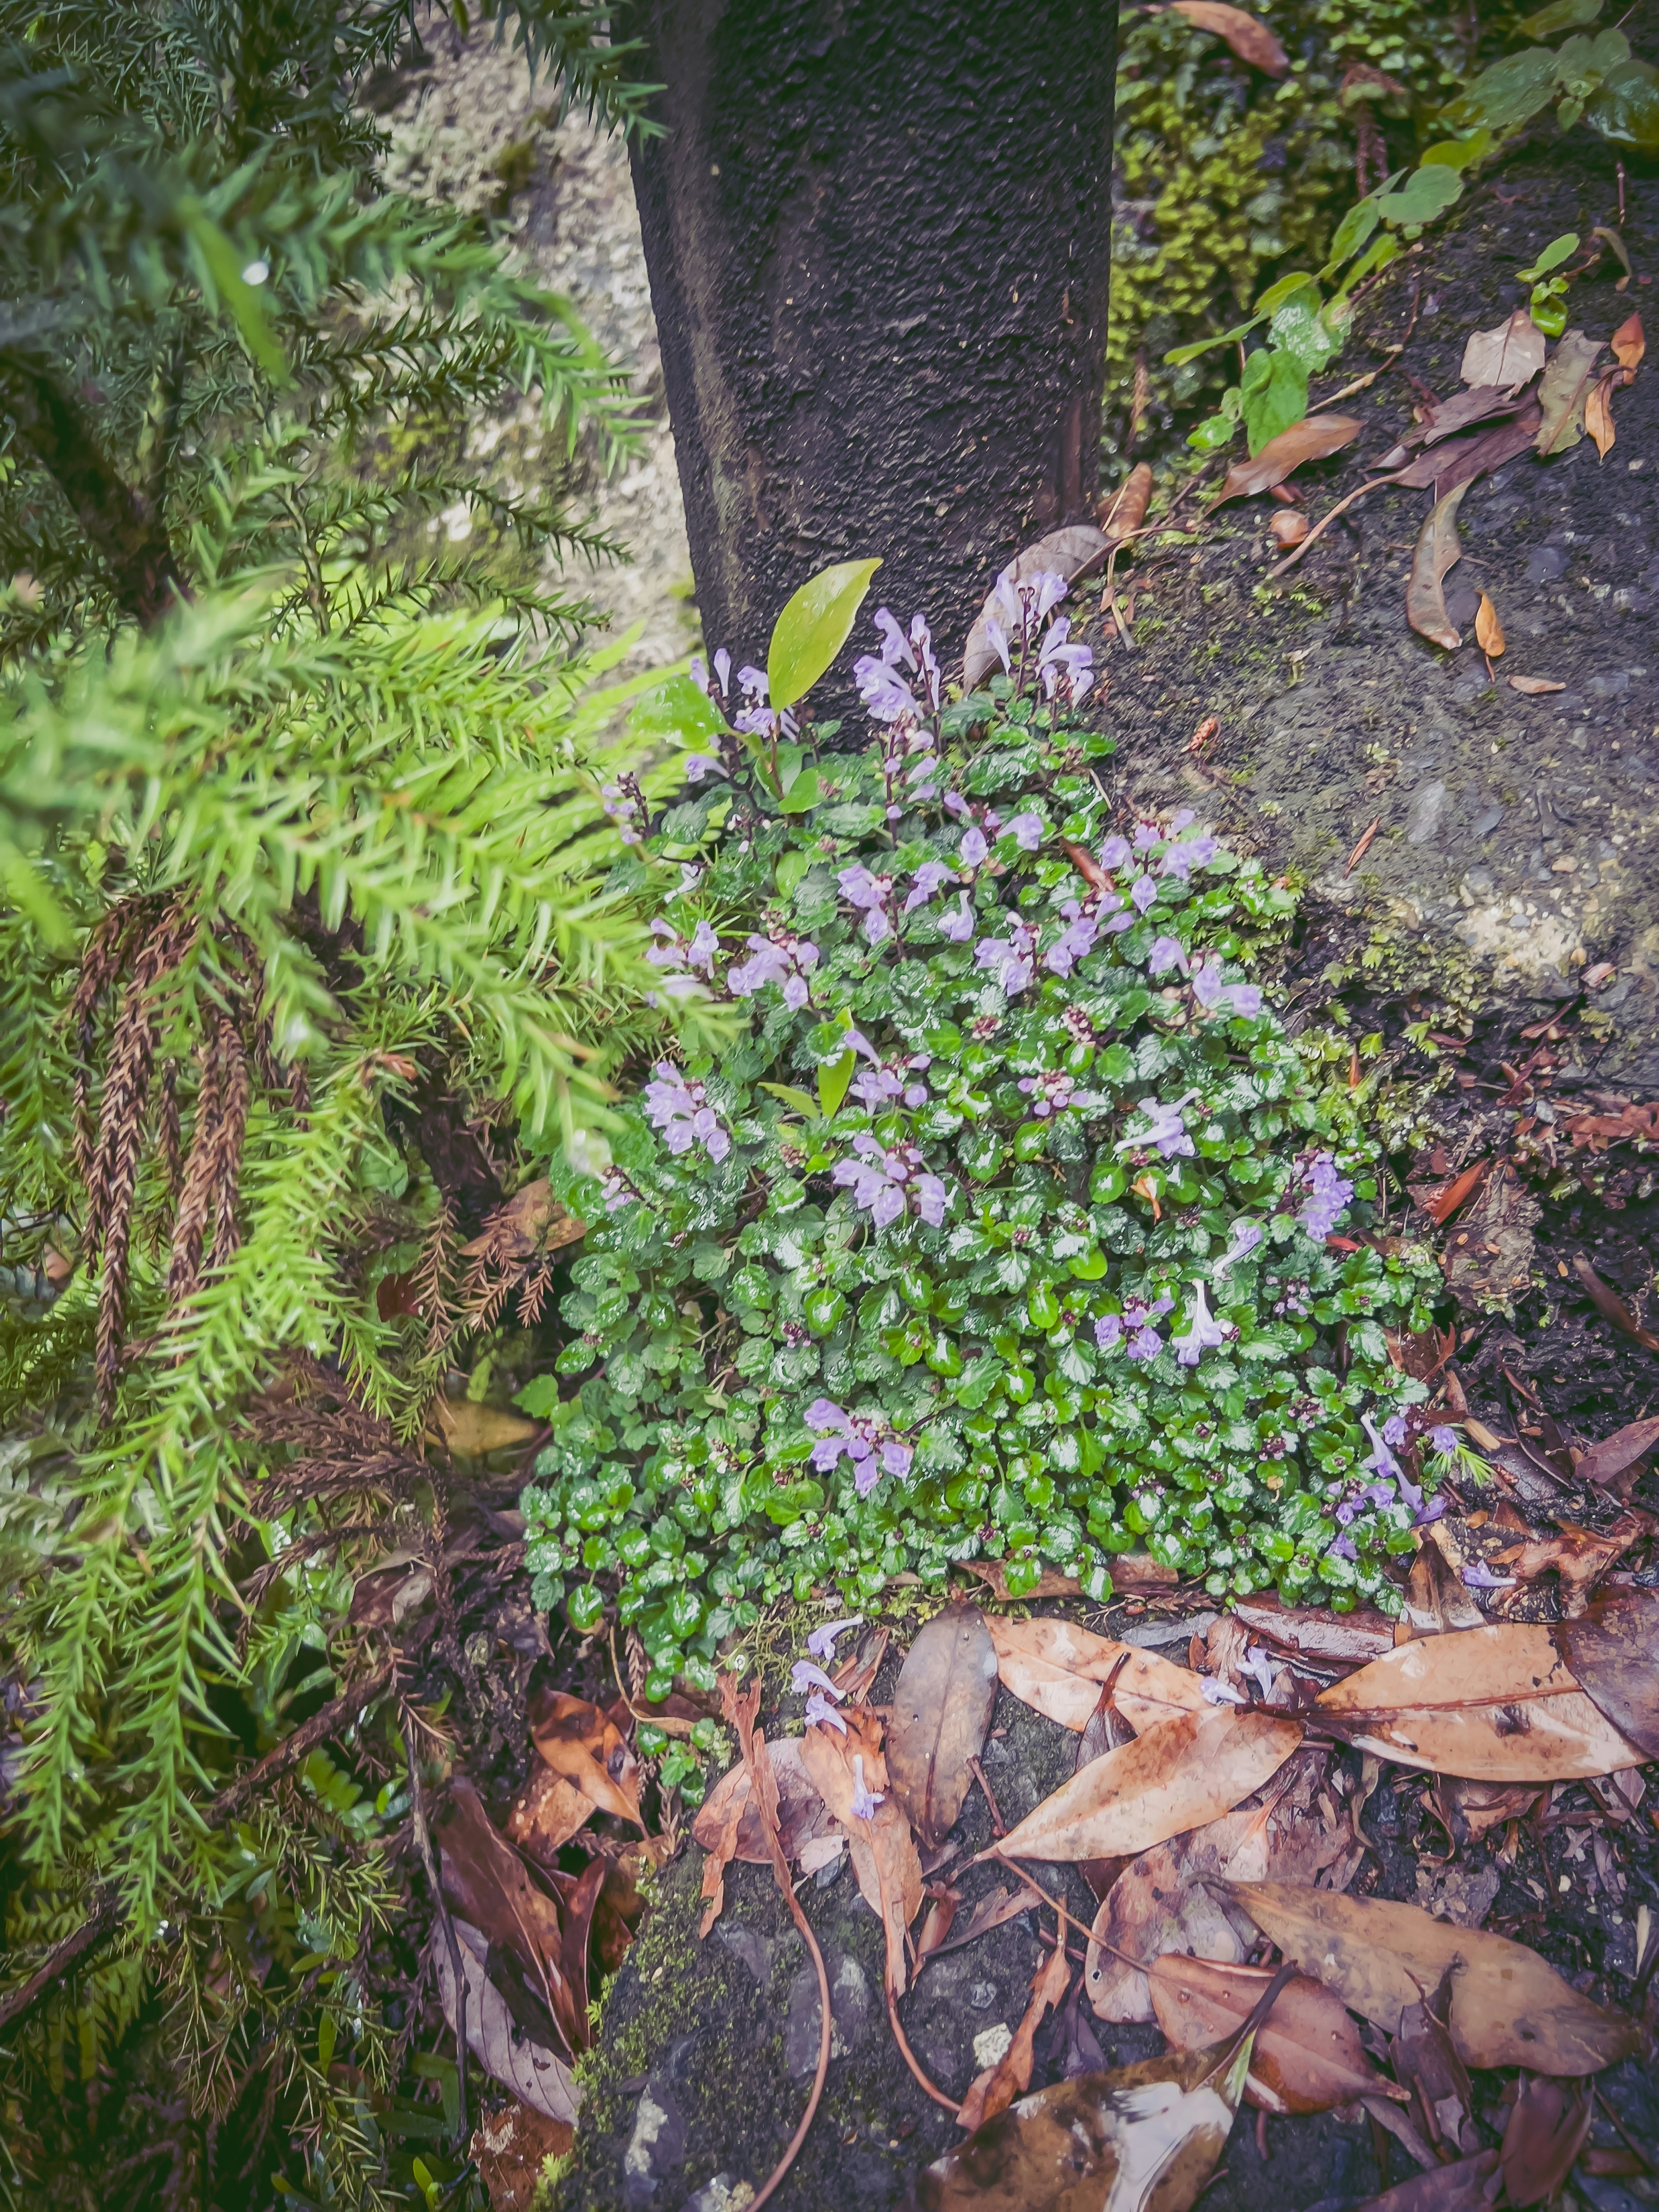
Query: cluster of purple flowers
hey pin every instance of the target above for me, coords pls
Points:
(1389, 1485)
(1203, 1333)
(866, 1439)
(1014, 615)
(884, 1180)
(754, 717)
(870, 894)
(1133, 1327)
(884, 1081)
(882, 689)
(681, 1111)
(1208, 987)
(786, 961)
(624, 802)
(1012, 960)
(1242, 1241)
(682, 956)
(1168, 1133)
(1328, 1195)
(1052, 1092)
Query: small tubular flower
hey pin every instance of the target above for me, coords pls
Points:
(680, 1109)
(1204, 1332)
(864, 1800)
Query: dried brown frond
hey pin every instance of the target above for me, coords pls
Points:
(304, 1547)
(195, 1199)
(638, 1665)
(339, 1449)
(169, 1145)
(533, 1295)
(101, 965)
(434, 1279)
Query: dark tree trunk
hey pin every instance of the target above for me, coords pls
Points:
(879, 237)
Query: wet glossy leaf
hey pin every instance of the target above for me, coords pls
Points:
(996, 2088)
(1344, 1639)
(1423, 195)
(1610, 1651)
(1512, 353)
(803, 1816)
(1495, 1703)
(1611, 1307)
(1626, 108)
(1058, 1669)
(1564, 391)
(1310, 440)
(1142, 2136)
(1438, 548)
(1488, 629)
(1425, 2060)
(1308, 2056)
(813, 628)
(1548, 2126)
(1460, 460)
(1506, 93)
(942, 1708)
(487, 1883)
(679, 709)
(1249, 37)
(1628, 342)
(537, 2075)
(586, 1746)
(1508, 2007)
(1179, 1774)
(1275, 385)
(1609, 1463)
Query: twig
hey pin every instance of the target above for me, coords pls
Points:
(58, 1961)
(1361, 847)
(293, 1749)
(424, 1845)
(1629, 2138)
(1360, 384)
(999, 1826)
(1321, 526)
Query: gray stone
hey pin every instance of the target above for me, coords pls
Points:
(1547, 565)
(1423, 816)
(983, 1996)
(1468, 689)
(743, 1943)
(1611, 685)
(657, 2144)
(1487, 820)
(852, 2008)
(723, 2193)
(1462, 604)
(1480, 882)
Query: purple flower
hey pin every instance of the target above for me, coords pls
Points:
(1205, 1331)
(1411, 1498)
(1147, 834)
(1328, 1196)
(930, 877)
(1134, 1324)
(1065, 666)
(895, 1458)
(867, 1440)
(973, 851)
(786, 962)
(887, 697)
(1394, 1429)
(869, 893)
(1143, 891)
(698, 765)
(954, 803)
(1115, 852)
(1215, 1693)
(896, 646)
(1211, 992)
(1244, 1240)
(1444, 1439)
(1009, 958)
(1191, 853)
(699, 673)
(821, 1711)
(1258, 1664)
(1026, 830)
(883, 1181)
(1075, 942)
(958, 926)
(1168, 1132)
(1382, 1459)
(865, 1801)
(822, 1640)
(1166, 952)
(1343, 1548)
(805, 1676)
(680, 1110)
(932, 1198)
(1479, 1576)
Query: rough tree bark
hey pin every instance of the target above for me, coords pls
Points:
(878, 234)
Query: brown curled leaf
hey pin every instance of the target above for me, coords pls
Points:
(1438, 551)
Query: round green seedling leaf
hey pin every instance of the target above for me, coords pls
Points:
(1560, 15)
(813, 628)
(1423, 195)
(1626, 108)
(1355, 227)
(1552, 258)
(1275, 396)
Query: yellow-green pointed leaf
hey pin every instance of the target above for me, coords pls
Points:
(220, 265)
(833, 1081)
(813, 628)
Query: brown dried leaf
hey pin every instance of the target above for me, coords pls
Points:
(1628, 343)
(1512, 353)
(1308, 2056)
(1181, 1773)
(1071, 552)
(1122, 514)
(803, 1816)
(546, 1813)
(1611, 1307)
(1444, 1203)
(1460, 461)
(537, 2075)
(993, 1910)
(486, 1883)
(510, 2148)
(1580, 1557)
(1494, 1704)
(884, 1857)
(1508, 2007)
(1146, 2136)
(1469, 2185)
(1249, 37)
(1611, 1652)
(1058, 1669)
(1598, 413)
(1160, 1903)
(586, 1746)
(1309, 439)
(1437, 550)
(469, 1432)
(1426, 2059)
(1488, 630)
(1481, 1806)
(1547, 2127)
(1532, 686)
(1342, 1639)
(942, 1707)
(1562, 394)
(1463, 409)
(1612, 1463)
(996, 2088)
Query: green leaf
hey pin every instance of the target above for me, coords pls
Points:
(1300, 329)
(1424, 194)
(1183, 354)
(1275, 396)
(1457, 152)
(791, 869)
(327, 2031)
(813, 628)
(1285, 289)
(678, 710)
(220, 265)
(1212, 434)
(1552, 258)
(1560, 15)
(539, 1396)
(1626, 108)
(802, 1101)
(1377, 255)
(1506, 93)
(1355, 227)
(803, 794)
(833, 1081)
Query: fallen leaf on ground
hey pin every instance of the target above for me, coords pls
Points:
(1177, 1775)
(1436, 1601)
(884, 1860)
(1071, 552)
(803, 1816)
(1488, 630)
(1460, 461)
(1248, 35)
(1146, 2136)
(1508, 2007)
(547, 1812)
(1491, 1255)
(993, 1910)
(1468, 2185)
(1438, 548)
(472, 1430)
(1546, 2129)
(1425, 2060)
(1611, 1652)
(996, 2088)
(1612, 1308)
(1562, 394)
(1058, 1668)
(1132, 1572)
(1480, 1806)
(1628, 343)
(587, 1747)
(1329, 1638)
(510, 2148)
(536, 2075)
(1493, 1704)
(1309, 439)
(1308, 2056)
(1532, 686)
(942, 1707)
(1445, 1202)
(1463, 409)
(1598, 413)
(1122, 514)
(1613, 1463)
(487, 1884)
(530, 1221)
(1511, 354)
(1578, 1557)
